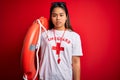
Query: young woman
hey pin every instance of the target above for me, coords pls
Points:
(60, 47)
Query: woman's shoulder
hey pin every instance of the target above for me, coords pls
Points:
(47, 31)
(73, 33)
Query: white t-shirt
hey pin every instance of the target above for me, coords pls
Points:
(70, 46)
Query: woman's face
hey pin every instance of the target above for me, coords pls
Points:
(58, 18)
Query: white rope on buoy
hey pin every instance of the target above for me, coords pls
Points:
(37, 47)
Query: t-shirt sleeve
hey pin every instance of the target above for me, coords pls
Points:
(77, 47)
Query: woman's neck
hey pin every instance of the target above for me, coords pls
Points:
(60, 29)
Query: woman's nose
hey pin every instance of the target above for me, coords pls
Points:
(58, 17)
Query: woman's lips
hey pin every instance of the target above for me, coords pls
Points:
(58, 22)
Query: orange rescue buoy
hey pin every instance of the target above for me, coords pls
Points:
(29, 49)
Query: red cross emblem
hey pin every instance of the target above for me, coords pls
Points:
(58, 49)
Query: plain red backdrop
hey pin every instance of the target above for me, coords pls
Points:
(97, 21)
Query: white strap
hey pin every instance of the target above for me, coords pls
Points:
(38, 46)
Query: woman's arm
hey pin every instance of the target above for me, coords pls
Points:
(76, 67)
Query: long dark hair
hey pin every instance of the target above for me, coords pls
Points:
(64, 7)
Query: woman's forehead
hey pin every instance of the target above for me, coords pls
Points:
(58, 10)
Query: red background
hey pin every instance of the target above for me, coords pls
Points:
(97, 21)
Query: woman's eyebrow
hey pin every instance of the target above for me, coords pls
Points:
(57, 13)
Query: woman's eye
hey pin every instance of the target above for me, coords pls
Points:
(61, 15)
(54, 15)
